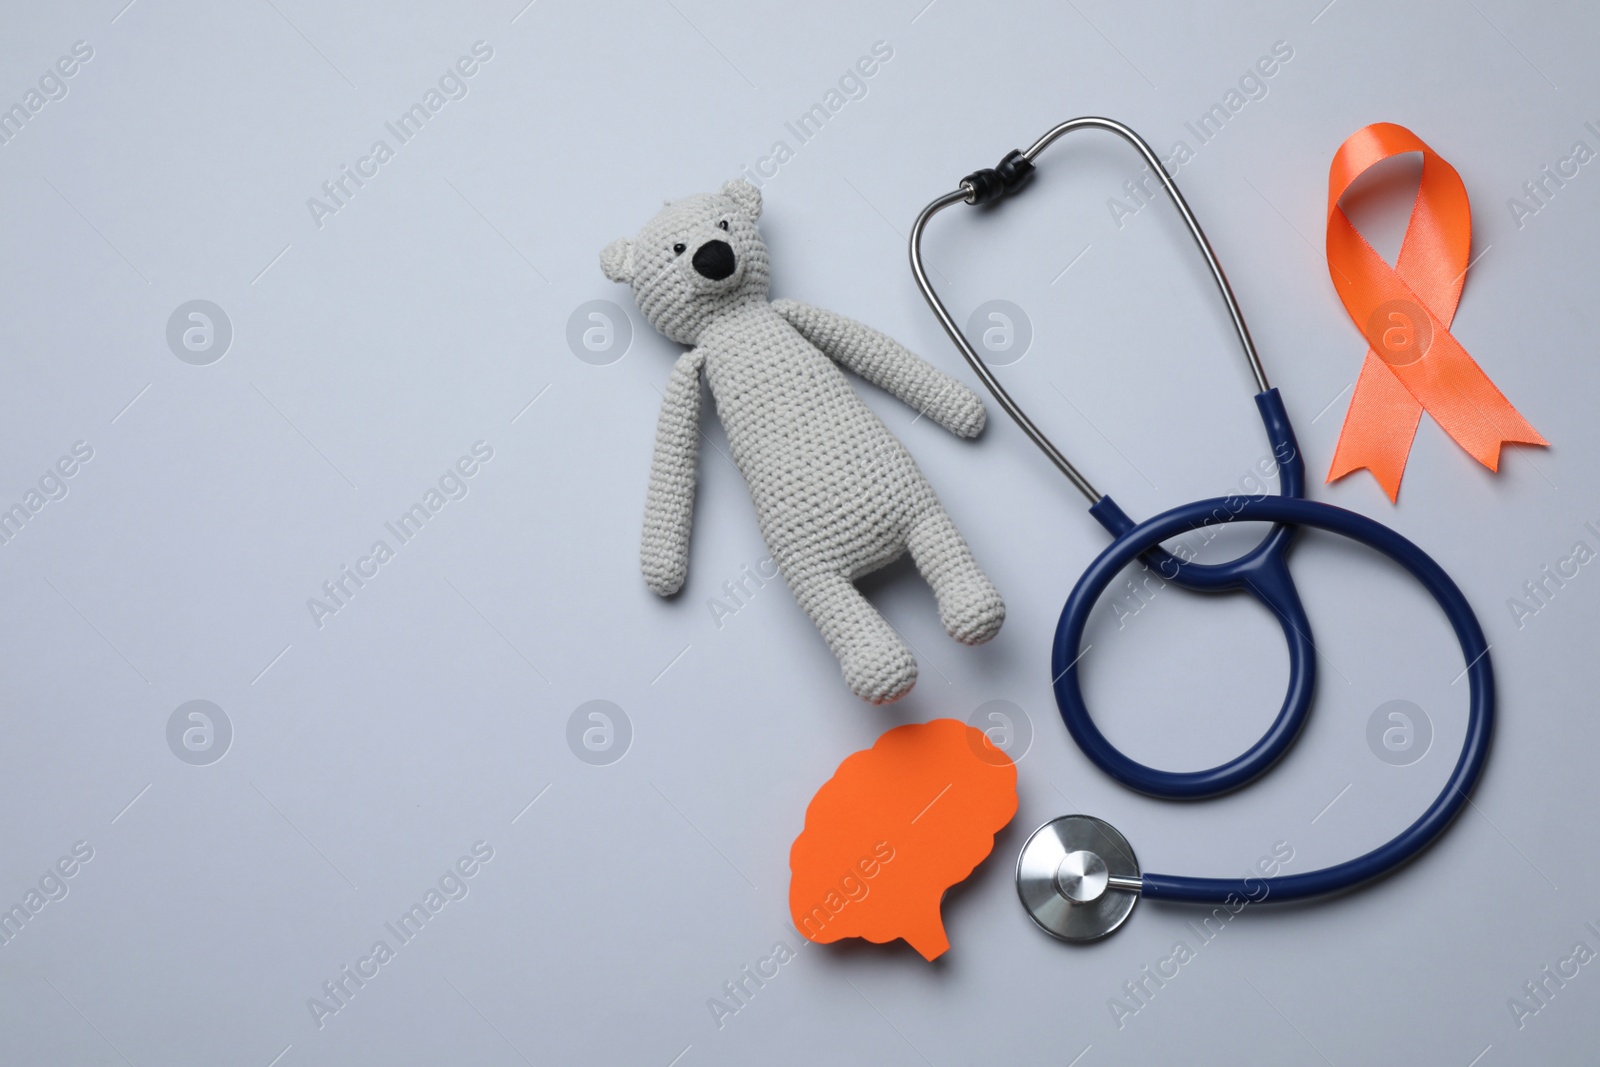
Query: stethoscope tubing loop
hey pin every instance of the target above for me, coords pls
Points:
(1067, 662)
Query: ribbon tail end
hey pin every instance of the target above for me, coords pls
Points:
(1490, 454)
(1388, 479)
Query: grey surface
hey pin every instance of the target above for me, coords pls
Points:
(366, 757)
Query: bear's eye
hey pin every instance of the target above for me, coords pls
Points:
(723, 225)
(679, 248)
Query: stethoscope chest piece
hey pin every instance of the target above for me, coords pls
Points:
(1078, 878)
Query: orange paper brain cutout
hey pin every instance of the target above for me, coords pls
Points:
(897, 825)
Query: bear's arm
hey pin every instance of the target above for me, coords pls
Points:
(669, 502)
(889, 365)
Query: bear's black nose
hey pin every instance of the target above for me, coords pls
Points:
(714, 260)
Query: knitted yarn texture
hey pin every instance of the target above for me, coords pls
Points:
(836, 495)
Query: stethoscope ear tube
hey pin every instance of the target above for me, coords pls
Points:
(1067, 661)
(1011, 175)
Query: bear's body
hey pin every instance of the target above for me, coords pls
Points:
(833, 489)
(836, 494)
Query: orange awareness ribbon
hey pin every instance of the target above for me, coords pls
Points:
(1404, 312)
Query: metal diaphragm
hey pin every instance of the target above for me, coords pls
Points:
(1078, 878)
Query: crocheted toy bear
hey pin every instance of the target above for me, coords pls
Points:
(836, 495)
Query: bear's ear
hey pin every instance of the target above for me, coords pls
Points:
(745, 195)
(616, 260)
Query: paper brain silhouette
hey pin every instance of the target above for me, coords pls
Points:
(897, 825)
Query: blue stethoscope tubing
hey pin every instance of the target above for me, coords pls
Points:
(1262, 572)
(1288, 511)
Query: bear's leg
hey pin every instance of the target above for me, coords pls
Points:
(877, 665)
(969, 605)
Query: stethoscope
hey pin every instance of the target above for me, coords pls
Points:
(1077, 876)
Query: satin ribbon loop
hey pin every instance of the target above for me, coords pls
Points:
(1413, 363)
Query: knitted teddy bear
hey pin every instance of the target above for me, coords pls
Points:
(836, 495)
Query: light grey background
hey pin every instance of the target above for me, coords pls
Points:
(371, 352)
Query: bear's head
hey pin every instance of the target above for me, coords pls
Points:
(699, 258)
